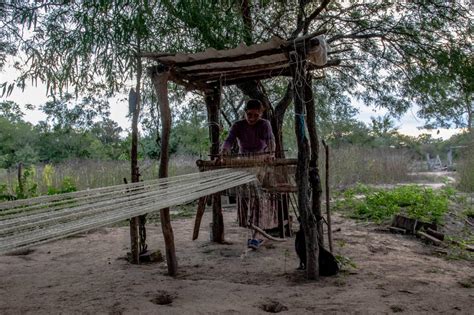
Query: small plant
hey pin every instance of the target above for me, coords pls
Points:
(469, 212)
(67, 185)
(345, 262)
(4, 193)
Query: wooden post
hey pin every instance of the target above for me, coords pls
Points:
(160, 81)
(314, 177)
(199, 214)
(134, 236)
(328, 205)
(213, 108)
(134, 108)
(308, 220)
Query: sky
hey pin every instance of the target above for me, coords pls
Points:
(408, 124)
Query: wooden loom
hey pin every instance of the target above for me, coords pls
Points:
(211, 70)
(279, 191)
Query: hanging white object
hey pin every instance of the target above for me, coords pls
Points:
(319, 54)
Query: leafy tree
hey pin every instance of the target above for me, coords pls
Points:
(11, 111)
(17, 143)
(444, 86)
(66, 112)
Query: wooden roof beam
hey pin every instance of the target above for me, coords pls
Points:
(268, 74)
(180, 79)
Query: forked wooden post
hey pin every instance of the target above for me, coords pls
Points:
(314, 174)
(159, 77)
(213, 104)
(308, 220)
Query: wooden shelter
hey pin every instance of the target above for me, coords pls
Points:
(208, 72)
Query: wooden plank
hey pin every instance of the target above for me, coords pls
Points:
(242, 163)
(265, 74)
(199, 213)
(394, 229)
(235, 68)
(428, 237)
(436, 234)
(411, 225)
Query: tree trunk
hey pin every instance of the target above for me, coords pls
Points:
(160, 82)
(314, 175)
(278, 118)
(213, 109)
(307, 219)
(135, 104)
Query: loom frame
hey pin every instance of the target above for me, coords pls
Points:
(208, 76)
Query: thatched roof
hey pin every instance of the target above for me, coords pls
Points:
(232, 66)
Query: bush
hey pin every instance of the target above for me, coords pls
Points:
(379, 205)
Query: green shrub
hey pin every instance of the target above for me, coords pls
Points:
(4, 193)
(380, 205)
(28, 187)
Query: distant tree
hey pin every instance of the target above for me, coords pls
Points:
(67, 112)
(17, 143)
(11, 111)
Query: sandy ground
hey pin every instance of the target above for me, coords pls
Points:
(88, 274)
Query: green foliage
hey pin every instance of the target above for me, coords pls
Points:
(380, 205)
(28, 187)
(345, 262)
(67, 185)
(4, 194)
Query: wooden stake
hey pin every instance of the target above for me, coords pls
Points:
(328, 206)
(199, 213)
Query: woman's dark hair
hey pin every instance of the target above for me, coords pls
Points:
(253, 104)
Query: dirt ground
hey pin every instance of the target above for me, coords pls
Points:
(88, 274)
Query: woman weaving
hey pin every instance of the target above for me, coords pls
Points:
(255, 139)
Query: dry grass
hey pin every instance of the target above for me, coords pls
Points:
(465, 170)
(352, 164)
(349, 165)
(93, 173)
